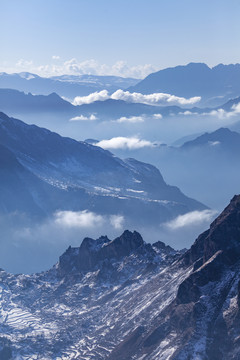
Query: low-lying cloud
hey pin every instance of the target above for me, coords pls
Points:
(150, 99)
(138, 119)
(120, 142)
(192, 218)
(96, 96)
(92, 117)
(31, 246)
(87, 219)
(131, 119)
(154, 99)
(81, 219)
(223, 114)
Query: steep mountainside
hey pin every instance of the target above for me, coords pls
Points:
(215, 85)
(20, 189)
(223, 138)
(205, 165)
(14, 101)
(79, 176)
(202, 322)
(125, 299)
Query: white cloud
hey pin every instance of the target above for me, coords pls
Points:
(92, 117)
(131, 119)
(75, 67)
(236, 108)
(154, 99)
(223, 114)
(214, 143)
(81, 219)
(151, 99)
(120, 68)
(117, 221)
(87, 220)
(192, 218)
(187, 113)
(96, 96)
(24, 64)
(130, 143)
(157, 116)
(138, 71)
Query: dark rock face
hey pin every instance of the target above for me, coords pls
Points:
(224, 234)
(92, 253)
(5, 349)
(213, 251)
(204, 316)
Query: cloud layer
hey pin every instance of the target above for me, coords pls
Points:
(87, 219)
(120, 142)
(57, 67)
(151, 99)
(131, 119)
(92, 117)
(219, 113)
(193, 218)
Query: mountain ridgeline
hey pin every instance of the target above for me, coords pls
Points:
(60, 173)
(137, 300)
(66, 85)
(195, 79)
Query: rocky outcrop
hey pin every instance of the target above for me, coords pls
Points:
(224, 234)
(92, 253)
(202, 322)
(124, 299)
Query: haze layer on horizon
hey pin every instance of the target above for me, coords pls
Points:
(130, 39)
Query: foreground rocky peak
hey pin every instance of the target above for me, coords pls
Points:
(223, 236)
(202, 321)
(92, 253)
(124, 299)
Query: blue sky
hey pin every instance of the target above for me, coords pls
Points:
(131, 37)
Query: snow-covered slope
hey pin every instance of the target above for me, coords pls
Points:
(125, 299)
(81, 176)
(82, 311)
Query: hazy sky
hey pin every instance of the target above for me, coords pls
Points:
(128, 37)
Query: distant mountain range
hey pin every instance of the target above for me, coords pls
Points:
(60, 173)
(18, 103)
(65, 85)
(223, 139)
(215, 85)
(126, 299)
(206, 165)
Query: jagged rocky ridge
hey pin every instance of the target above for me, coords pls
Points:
(126, 299)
